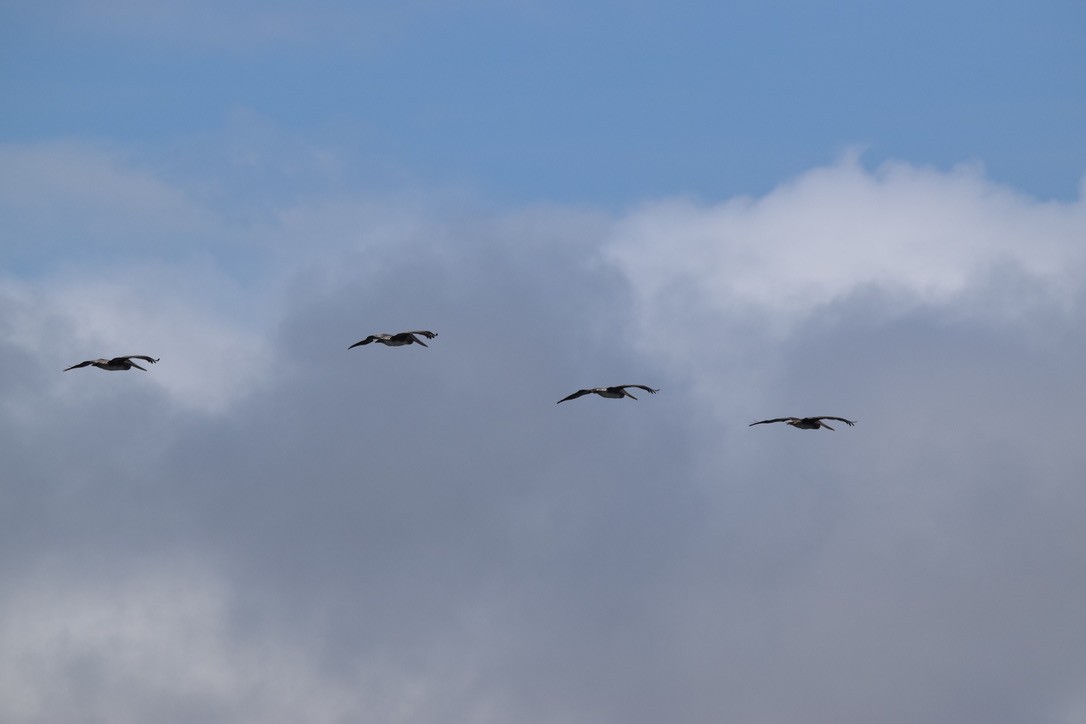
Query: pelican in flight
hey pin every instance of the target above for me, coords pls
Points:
(116, 364)
(614, 393)
(396, 340)
(806, 423)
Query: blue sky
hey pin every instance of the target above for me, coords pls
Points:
(850, 209)
(575, 102)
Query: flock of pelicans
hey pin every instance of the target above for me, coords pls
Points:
(401, 339)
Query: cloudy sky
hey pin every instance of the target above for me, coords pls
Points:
(870, 210)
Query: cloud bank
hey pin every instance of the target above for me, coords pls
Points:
(267, 527)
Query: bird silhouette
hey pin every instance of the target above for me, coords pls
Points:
(615, 393)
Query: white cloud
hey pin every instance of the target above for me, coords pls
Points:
(151, 646)
(90, 202)
(64, 174)
(718, 287)
(919, 232)
(422, 535)
(210, 341)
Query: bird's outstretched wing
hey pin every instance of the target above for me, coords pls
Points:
(81, 364)
(775, 419)
(640, 387)
(367, 340)
(414, 336)
(850, 423)
(575, 395)
(130, 357)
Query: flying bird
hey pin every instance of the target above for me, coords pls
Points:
(614, 393)
(116, 364)
(396, 340)
(806, 423)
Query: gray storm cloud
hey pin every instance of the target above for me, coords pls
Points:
(267, 527)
